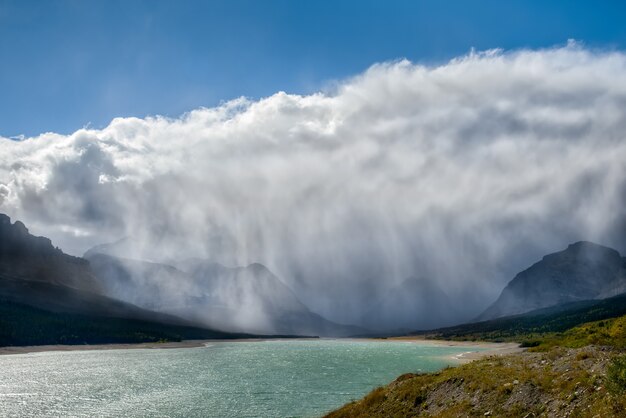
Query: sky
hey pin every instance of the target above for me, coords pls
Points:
(74, 63)
(347, 146)
(462, 173)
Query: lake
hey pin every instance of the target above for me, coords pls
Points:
(286, 378)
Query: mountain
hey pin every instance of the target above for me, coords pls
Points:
(27, 257)
(34, 272)
(413, 304)
(582, 271)
(132, 249)
(57, 298)
(241, 299)
(48, 297)
(152, 286)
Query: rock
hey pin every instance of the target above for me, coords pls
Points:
(4, 219)
(20, 228)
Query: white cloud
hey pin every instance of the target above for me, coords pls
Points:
(465, 172)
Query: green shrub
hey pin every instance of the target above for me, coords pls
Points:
(527, 344)
(616, 375)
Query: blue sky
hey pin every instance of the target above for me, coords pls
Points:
(65, 64)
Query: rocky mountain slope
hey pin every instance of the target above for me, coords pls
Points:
(582, 271)
(27, 257)
(35, 273)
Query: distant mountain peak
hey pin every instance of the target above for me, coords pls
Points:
(17, 242)
(258, 268)
(588, 244)
(20, 228)
(591, 250)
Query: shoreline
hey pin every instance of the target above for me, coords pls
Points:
(31, 349)
(486, 348)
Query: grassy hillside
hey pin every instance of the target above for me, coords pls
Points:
(21, 324)
(562, 376)
(608, 332)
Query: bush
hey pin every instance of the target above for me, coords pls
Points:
(527, 344)
(616, 375)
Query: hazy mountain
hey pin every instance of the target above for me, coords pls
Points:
(35, 273)
(150, 285)
(58, 298)
(156, 249)
(583, 270)
(247, 299)
(48, 297)
(415, 303)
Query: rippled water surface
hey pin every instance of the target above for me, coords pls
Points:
(225, 379)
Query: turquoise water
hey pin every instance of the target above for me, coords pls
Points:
(298, 378)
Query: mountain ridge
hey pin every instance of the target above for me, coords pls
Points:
(28, 257)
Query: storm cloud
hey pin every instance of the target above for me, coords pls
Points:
(462, 173)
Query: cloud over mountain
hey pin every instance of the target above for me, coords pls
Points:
(462, 172)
